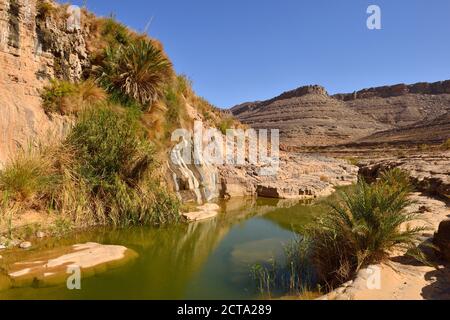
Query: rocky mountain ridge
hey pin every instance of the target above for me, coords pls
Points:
(312, 117)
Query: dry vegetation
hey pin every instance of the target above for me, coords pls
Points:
(108, 170)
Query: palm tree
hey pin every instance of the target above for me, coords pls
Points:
(137, 71)
(362, 229)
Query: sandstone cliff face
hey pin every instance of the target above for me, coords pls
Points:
(27, 62)
(308, 116)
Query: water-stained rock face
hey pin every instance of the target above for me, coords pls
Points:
(27, 65)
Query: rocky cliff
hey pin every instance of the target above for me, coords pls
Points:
(308, 116)
(33, 49)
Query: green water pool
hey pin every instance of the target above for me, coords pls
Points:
(204, 260)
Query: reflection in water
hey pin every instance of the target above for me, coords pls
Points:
(207, 260)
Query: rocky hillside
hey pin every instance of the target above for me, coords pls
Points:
(432, 131)
(308, 116)
(27, 64)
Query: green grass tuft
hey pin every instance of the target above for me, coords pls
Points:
(67, 98)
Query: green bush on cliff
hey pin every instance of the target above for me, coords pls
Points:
(108, 142)
(67, 98)
(116, 167)
(44, 9)
(103, 173)
(114, 32)
(136, 72)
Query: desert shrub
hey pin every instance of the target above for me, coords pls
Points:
(136, 72)
(27, 177)
(423, 147)
(225, 124)
(44, 9)
(172, 101)
(396, 178)
(352, 161)
(446, 145)
(114, 32)
(55, 95)
(184, 85)
(65, 97)
(361, 230)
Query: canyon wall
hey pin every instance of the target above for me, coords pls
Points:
(33, 49)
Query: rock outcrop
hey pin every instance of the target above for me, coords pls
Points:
(49, 268)
(206, 211)
(298, 177)
(33, 49)
(429, 173)
(442, 239)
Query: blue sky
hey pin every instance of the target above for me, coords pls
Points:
(245, 50)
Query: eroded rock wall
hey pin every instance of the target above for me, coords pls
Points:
(27, 65)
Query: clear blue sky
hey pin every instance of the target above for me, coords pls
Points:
(244, 50)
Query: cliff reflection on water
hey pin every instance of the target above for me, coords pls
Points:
(205, 260)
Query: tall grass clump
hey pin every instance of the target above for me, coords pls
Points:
(292, 277)
(136, 72)
(27, 178)
(225, 124)
(103, 173)
(44, 9)
(67, 98)
(114, 179)
(446, 145)
(114, 32)
(363, 229)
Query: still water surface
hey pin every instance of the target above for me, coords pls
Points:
(204, 260)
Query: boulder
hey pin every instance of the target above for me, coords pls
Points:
(40, 235)
(206, 211)
(442, 239)
(25, 245)
(50, 267)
